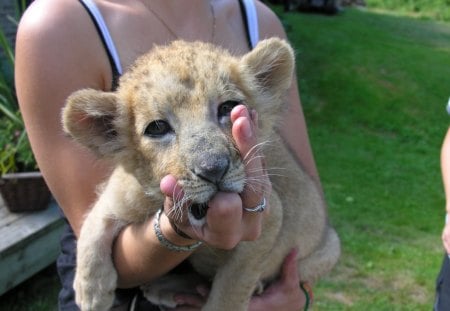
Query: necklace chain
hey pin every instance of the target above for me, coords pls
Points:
(213, 13)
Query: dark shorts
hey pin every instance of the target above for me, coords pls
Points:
(442, 302)
(66, 270)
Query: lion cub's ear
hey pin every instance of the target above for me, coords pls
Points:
(272, 62)
(92, 118)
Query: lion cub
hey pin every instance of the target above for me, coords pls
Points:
(171, 115)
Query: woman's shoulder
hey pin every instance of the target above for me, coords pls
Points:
(52, 17)
(269, 23)
(54, 26)
(56, 39)
(57, 36)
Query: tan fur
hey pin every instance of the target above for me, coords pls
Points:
(185, 84)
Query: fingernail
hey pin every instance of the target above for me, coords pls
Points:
(247, 130)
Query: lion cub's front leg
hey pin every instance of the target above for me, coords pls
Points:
(237, 280)
(96, 277)
(233, 286)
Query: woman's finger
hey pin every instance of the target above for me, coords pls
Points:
(244, 132)
(289, 271)
(243, 129)
(170, 187)
(285, 293)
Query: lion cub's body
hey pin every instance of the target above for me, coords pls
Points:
(166, 118)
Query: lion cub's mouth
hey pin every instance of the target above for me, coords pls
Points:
(198, 211)
(199, 192)
(197, 214)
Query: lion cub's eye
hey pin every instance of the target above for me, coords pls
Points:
(226, 107)
(157, 129)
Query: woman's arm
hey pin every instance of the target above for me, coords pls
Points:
(56, 55)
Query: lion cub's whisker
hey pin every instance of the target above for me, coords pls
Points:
(256, 157)
(266, 173)
(254, 150)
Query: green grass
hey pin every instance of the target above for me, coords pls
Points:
(38, 293)
(373, 88)
(426, 9)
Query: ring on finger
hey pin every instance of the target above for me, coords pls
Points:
(258, 208)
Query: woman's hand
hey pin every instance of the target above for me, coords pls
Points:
(284, 294)
(227, 223)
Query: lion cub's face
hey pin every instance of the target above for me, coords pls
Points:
(171, 113)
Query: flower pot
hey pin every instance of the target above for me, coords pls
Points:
(24, 192)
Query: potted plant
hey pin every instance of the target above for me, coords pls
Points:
(21, 185)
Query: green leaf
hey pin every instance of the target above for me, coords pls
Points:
(8, 112)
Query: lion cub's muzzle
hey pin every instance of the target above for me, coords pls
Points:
(214, 166)
(211, 167)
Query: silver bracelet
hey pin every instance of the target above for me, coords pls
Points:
(167, 243)
(258, 208)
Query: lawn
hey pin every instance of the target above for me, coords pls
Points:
(373, 86)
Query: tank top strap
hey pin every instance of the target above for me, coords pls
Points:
(250, 17)
(105, 36)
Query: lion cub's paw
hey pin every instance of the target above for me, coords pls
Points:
(94, 291)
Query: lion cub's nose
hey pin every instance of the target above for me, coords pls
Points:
(211, 167)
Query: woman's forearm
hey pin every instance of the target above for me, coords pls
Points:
(139, 257)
